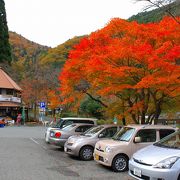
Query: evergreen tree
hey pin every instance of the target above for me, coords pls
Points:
(5, 50)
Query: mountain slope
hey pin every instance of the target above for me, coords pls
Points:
(22, 48)
(58, 55)
(156, 14)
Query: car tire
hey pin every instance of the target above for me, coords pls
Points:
(120, 163)
(178, 177)
(86, 153)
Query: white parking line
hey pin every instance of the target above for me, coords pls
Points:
(38, 143)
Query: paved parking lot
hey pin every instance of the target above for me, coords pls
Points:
(25, 156)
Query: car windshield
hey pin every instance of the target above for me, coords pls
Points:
(93, 131)
(69, 127)
(171, 141)
(124, 134)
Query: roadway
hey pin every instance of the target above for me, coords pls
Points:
(25, 156)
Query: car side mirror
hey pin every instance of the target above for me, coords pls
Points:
(101, 135)
(137, 139)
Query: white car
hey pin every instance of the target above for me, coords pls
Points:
(160, 161)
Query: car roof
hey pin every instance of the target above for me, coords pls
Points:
(79, 124)
(110, 125)
(149, 126)
(78, 118)
(75, 126)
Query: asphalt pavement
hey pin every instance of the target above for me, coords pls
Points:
(24, 155)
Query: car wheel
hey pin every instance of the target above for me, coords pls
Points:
(178, 177)
(120, 163)
(86, 153)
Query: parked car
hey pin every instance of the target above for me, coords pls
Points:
(2, 122)
(83, 145)
(6, 120)
(117, 151)
(58, 137)
(67, 121)
(158, 161)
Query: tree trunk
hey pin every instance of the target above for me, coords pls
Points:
(35, 108)
(143, 118)
(158, 112)
(27, 114)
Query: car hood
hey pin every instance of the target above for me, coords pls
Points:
(153, 154)
(111, 143)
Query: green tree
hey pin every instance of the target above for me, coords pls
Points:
(5, 50)
(89, 107)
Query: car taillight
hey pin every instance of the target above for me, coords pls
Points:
(57, 135)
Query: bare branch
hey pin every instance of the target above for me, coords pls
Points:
(162, 3)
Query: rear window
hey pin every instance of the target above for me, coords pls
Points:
(165, 132)
(147, 135)
(62, 123)
(69, 127)
(171, 141)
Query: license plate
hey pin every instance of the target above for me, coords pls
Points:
(96, 157)
(65, 149)
(137, 172)
(52, 134)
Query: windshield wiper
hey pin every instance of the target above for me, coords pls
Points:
(116, 139)
(123, 140)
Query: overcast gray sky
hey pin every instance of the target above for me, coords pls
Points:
(52, 22)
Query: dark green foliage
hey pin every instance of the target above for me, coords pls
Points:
(5, 50)
(89, 107)
(156, 14)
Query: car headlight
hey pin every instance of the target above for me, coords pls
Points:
(167, 163)
(108, 149)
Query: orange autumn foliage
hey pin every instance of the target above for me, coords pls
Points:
(54, 99)
(134, 62)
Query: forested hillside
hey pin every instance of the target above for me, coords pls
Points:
(23, 48)
(58, 55)
(156, 14)
(25, 55)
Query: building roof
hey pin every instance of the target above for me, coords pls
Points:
(7, 82)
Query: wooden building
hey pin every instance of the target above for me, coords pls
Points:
(10, 96)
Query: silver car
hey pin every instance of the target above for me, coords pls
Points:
(67, 121)
(59, 136)
(160, 161)
(83, 145)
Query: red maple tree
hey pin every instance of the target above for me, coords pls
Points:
(126, 63)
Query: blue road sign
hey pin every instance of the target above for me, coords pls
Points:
(42, 105)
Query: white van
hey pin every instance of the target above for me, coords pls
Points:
(67, 121)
